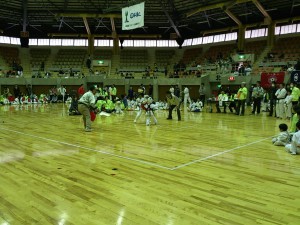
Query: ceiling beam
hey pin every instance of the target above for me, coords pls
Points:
(112, 22)
(225, 4)
(263, 11)
(233, 17)
(170, 20)
(231, 29)
(89, 15)
(86, 24)
(288, 20)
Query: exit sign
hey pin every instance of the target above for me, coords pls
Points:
(231, 78)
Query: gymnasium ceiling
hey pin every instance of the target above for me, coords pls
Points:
(187, 18)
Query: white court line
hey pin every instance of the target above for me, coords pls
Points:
(91, 149)
(217, 154)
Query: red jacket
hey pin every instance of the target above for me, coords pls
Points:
(81, 90)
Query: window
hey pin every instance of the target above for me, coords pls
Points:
(208, 39)
(197, 41)
(80, 42)
(102, 43)
(277, 30)
(173, 43)
(288, 29)
(231, 36)
(219, 38)
(43, 42)
(248, 34)
(150, 43)
(55, 42)
(67, 42)
(127, 43)
(15, 41)
(162, 43)
(258, 33)
(139, 43)
(298, 28)
(4, 40)
(33, 42)
(187, 42)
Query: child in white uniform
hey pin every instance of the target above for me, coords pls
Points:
(283, 137)
(294, 147)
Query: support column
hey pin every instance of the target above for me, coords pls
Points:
(155, 90)
(91, 43)
(127, 85)
(116, 47)
(271, 34)
(24, 4)
(241, 38)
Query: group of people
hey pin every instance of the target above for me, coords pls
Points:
(277, 99)
(291, 140)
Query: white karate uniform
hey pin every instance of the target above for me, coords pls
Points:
(288, 106)
(294, 147)
(186, 96)
(280, 94)
(282, 139)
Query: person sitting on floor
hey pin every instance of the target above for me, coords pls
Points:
(283, 137)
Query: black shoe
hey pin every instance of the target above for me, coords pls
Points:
(179, 119)
(169, 118)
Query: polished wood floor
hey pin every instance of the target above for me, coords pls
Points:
(207, 169)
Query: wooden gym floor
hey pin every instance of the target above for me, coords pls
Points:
(207, 169)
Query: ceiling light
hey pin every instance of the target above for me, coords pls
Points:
(246, 14)
(272, 9)
(202, 22)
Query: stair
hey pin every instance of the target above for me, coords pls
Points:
(261, 57)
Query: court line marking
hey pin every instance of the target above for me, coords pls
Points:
(91, 149)
(138, 160)
(217, 154)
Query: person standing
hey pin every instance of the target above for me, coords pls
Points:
(172, 90)
(202, 91)
(61, 93)
(173, 101)
(222, 99)
(257, 95)
(241, 96)
(272, 97)
(186, 96)
(130, 93)
(295, 92)
(280, 95)
(150, 92)
(113, 92)
(85, 104)
(177, 91)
